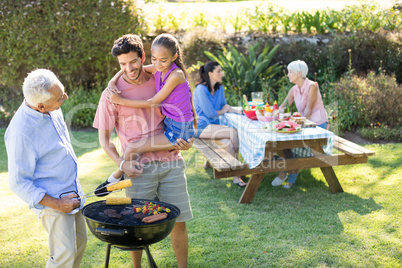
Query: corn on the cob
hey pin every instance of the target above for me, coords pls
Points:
(120, 185)
(118, 200)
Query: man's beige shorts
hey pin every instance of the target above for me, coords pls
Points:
(168, 180)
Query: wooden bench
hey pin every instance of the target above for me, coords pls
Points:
(225, 165)
(351, 148)
(218, 157)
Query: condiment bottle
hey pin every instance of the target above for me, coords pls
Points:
(268, 108)
(268, 102)
(275, 106)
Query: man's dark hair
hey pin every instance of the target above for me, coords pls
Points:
(126, 44)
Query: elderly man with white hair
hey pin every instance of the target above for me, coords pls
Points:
(42, 167)
(307, 98)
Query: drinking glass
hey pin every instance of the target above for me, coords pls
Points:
(256, 96)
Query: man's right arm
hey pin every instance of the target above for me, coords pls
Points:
(128, 167)
(21, 165)
(65, 204)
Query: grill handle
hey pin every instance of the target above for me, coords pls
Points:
(106, 231)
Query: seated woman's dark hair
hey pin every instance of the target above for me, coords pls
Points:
(204, 71)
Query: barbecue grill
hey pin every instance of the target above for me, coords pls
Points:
(126, 232)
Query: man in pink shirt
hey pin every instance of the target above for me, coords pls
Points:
(161, 172)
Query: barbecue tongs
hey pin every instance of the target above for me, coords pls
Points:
(111, 187)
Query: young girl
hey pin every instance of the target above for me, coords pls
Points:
(173, 94)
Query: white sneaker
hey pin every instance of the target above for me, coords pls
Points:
(287, 186)
(278, 181)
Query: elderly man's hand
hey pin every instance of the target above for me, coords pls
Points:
(68, 203)
(132, 168)
(184, 145)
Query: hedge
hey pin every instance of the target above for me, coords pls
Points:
(71, 38)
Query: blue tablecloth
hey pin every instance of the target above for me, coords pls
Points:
(252, 138)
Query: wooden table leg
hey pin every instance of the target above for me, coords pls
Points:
(329, 173)
(251, 188)
(207, 165)
(332, 180)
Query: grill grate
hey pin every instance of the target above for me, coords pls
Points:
(95, 211)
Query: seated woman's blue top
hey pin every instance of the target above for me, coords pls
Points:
(207, 106)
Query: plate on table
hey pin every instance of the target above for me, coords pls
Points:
(287, 132)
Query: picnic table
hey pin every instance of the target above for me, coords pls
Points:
(268, 151)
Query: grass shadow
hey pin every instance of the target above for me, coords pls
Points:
(308, 200)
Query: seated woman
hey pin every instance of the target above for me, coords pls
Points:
(209, 103)
(307, 97)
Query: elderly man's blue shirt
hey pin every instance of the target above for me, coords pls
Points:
(41, 159)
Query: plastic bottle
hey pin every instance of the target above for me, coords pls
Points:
(268, 108)
(275, 106)
(268, 102)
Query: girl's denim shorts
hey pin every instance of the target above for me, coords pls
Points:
(175, 130)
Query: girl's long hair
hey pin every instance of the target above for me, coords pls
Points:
(170, 43)
(204, 71)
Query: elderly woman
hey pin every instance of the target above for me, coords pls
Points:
(307, 97)
(209, 103)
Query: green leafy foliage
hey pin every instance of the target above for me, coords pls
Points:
(269, 18)
(381, 133)
(369, 51)
(71, 38)
(79, 109)
(245, 73)
(375, 100)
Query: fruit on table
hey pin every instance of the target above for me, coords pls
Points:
(287, 126)
(259, 110)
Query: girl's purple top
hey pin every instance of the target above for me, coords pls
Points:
(177, 105)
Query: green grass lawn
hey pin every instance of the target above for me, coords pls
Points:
(306, 226)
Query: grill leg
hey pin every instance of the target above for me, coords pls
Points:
(107, 255)
(151, 261)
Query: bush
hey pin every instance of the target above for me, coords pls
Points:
(369, 51)
(193, 43)
(329, 54)
(80, 107)
(381, 133)
(369, 101)
(196, 41)
(72, 38)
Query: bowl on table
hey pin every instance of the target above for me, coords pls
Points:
(263, 118)
(250, 114)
